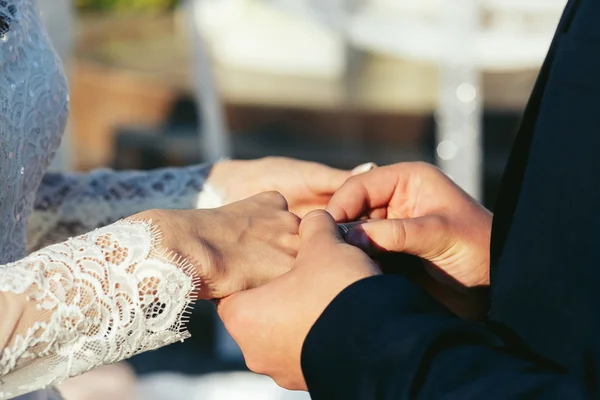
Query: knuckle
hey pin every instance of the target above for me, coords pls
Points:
(276, 199)
(291, 220)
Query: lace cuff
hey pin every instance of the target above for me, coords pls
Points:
(93, 300)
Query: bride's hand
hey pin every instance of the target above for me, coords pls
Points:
(307, 186)
(236, 247)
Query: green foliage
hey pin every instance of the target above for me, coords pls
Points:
(126, 5)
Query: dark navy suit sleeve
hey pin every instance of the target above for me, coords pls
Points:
(384, 338)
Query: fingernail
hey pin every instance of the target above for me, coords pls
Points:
(361, 169)
(358, 238)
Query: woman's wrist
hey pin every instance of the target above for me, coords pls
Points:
(185, 235)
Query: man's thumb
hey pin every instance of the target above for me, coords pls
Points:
(319, 226)
(416, 236)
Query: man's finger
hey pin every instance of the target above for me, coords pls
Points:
(364, 192)
(421, 237)
(319, 227)
(272, 199)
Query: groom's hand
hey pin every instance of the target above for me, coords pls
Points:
(420, 211)
(270, 323)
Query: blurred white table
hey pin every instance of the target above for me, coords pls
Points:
(464, 38)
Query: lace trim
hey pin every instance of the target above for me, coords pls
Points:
(99, 298)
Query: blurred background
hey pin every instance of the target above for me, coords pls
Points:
(170, 82)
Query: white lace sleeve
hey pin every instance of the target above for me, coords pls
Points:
(67, 205)
(90, 301)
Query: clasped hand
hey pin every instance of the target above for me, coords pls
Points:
(254, 237)
(276, 273)
(413, 208)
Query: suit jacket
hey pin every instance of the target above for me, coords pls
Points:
(384, 338)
